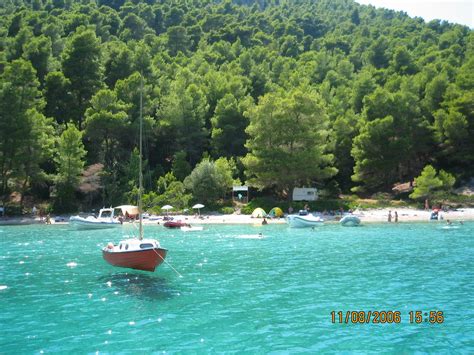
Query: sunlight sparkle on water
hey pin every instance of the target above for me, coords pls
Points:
(275, 293)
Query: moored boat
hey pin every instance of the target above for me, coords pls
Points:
(105, 219)
(304, 220)
(349, 220)
(176, 224)
(144, 254)
(136, 253)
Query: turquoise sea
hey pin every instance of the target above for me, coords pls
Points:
(238, 293)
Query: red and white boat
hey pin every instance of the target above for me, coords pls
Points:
(176, 224)
(133, 253)
(136, 253)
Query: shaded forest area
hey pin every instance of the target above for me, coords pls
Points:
(276, 94)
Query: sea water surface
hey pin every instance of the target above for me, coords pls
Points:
(238, 292)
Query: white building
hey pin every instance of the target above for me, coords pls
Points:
(305, 194)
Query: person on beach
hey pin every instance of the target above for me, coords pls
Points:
(396, 216)
(264, 221)
(389, 216)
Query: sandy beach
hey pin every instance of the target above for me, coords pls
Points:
(366, 216)
(413, 215)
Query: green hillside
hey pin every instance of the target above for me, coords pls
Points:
(275, 94)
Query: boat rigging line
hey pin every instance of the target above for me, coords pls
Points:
(167, 263)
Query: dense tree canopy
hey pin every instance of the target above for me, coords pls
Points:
(297, 92)
(70, 161)
(289, 141)
(430, 182)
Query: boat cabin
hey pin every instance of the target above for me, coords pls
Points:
(134, 244)
(106, 213)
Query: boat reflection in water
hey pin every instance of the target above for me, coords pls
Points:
(142, 286)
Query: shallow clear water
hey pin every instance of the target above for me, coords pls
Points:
(238, 293)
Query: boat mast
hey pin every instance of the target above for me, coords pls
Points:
(140, 174)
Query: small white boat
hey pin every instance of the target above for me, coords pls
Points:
(105, 220)
(191, 229)
(304, 220)
(349, 220)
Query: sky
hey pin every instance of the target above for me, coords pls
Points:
(456, 11)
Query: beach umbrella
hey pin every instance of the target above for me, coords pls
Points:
(198, 206)
(129, 210)
(167, 208)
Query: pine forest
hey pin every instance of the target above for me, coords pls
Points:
(275, 94)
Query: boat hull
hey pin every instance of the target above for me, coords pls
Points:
(349, 221)
(171, 224)
(146, 260)
(96, 225)
(84, 223)
(304, 221)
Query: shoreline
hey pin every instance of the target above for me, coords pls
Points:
(378, 215)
